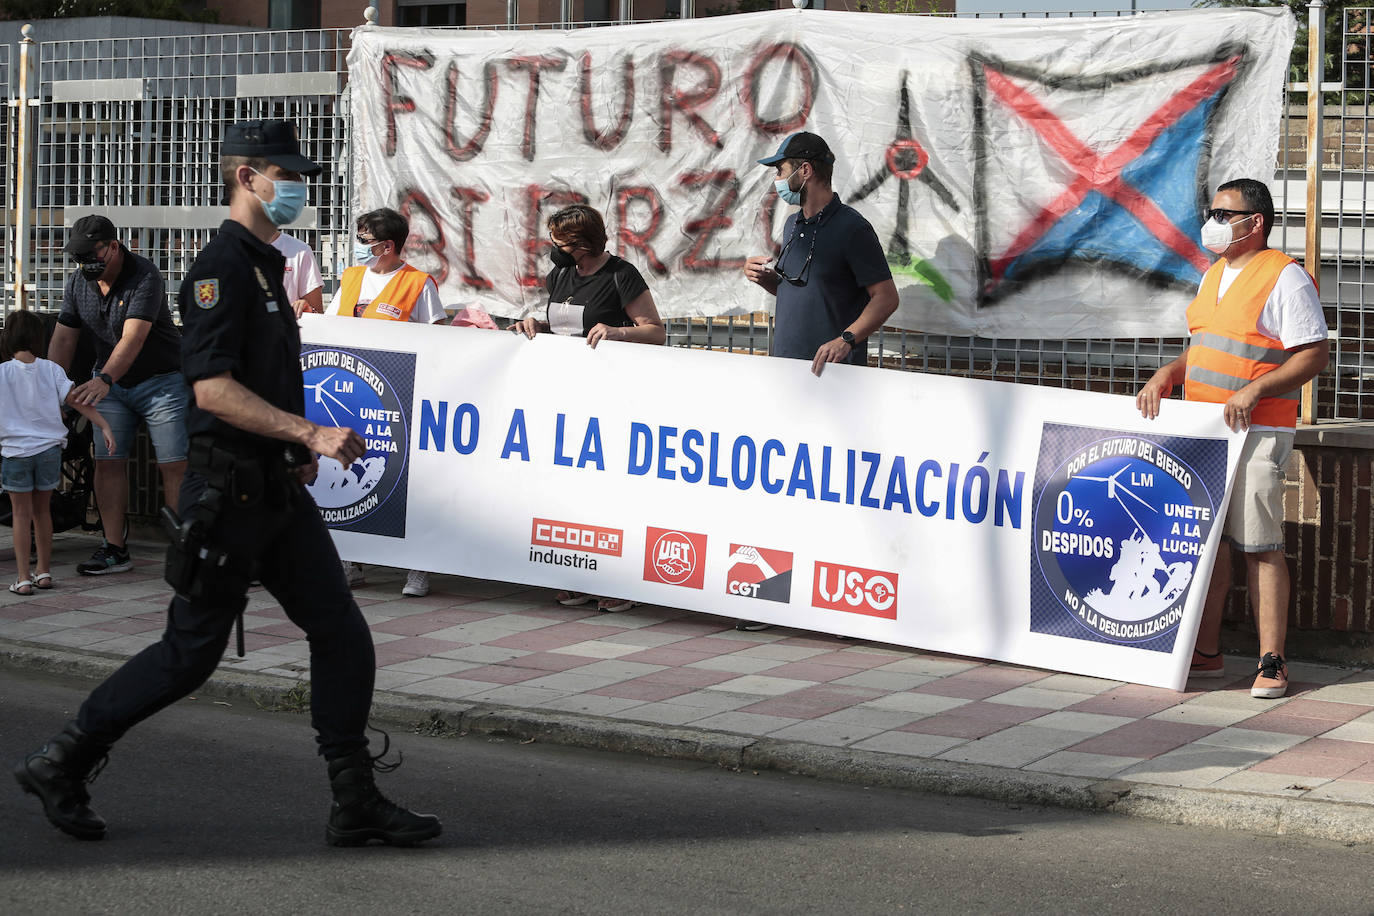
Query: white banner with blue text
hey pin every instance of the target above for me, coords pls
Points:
(1040, 178)
(1039, 526)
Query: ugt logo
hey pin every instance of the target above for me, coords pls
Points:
(674, 557)
(855, 590)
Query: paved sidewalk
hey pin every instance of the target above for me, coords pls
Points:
(479, 647)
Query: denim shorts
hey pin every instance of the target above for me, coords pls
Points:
(36, 472)
(161, 402)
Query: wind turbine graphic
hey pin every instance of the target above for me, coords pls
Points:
(321, 394)
(1112, 486)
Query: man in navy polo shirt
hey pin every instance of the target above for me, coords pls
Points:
(831, 277)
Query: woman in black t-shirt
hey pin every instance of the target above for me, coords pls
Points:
(593, 293)
(596, 295)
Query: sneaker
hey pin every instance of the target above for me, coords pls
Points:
(1205, 665)
(353, 572)
(615, 605)
(107, 559)
(572, 599)
(751, 626)
(417, 584)
(1272, 680)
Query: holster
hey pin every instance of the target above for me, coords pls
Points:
(196, 569)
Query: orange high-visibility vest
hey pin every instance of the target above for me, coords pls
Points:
(1226, 351)
(396, 300)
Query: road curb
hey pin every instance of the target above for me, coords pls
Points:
(1346, 822)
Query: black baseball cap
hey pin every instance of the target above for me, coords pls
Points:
(274, 141)
(801, 145)
(86, 233)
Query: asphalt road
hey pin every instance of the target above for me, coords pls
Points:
(221, 809)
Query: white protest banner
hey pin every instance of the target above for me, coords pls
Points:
(1028, 178)
(1045, 527)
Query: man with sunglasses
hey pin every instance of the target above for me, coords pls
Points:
(831, 278)
(120, 299)
(1257, 335)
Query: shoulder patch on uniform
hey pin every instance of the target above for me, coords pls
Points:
(207, 293)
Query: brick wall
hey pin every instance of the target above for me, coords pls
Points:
(1328, 533)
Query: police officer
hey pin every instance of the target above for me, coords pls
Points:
(248, 516)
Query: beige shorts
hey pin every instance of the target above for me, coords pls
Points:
(1254, 521)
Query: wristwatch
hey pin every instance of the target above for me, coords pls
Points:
(848, 337)
(105, 378)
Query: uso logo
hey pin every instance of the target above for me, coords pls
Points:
(545, 532)
(674, 557)
(839, 587)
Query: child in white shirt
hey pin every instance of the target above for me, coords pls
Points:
(32, 435)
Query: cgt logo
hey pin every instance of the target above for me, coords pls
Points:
(674, 557)
(855, 590)
(759, 572)
(545, 532)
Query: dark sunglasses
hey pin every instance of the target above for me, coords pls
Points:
(1224, 216)
(800, 278)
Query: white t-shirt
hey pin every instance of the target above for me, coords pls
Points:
(302, 272)
(428, 309)
(31, 396)
(1292, 314)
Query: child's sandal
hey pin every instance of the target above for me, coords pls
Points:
(42, 580)
(22, 587)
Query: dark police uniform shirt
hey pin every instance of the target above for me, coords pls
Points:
(597, 299)
(235, 318)
(138, 292)
(848, 259)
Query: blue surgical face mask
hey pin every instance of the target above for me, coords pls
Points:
(363, 253)
(288, 200)
(785, 191)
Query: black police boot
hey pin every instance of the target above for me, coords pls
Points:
(362, 813)
(58, 774)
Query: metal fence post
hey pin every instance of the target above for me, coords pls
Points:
(1316, 40)
(25, 160)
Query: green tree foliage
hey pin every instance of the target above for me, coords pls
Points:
(1335, 24)
(12, 10)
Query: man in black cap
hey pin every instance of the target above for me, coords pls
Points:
(248, 516)
(120, 299)
(831, 277)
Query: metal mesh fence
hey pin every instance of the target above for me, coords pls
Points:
(7, 146)
(1346, 226)
(131, 129)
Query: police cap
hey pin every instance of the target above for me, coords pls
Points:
(274, 141)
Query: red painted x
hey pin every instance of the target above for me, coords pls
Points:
(1103, 173)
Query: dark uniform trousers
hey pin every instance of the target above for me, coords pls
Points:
(296, 562)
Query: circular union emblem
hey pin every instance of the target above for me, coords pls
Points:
(674, 557)
(342, 389)
(1119, 528)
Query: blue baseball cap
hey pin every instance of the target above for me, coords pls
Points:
(801, 145)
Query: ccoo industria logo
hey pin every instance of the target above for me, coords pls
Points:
(1121, 520)
(370, 391)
